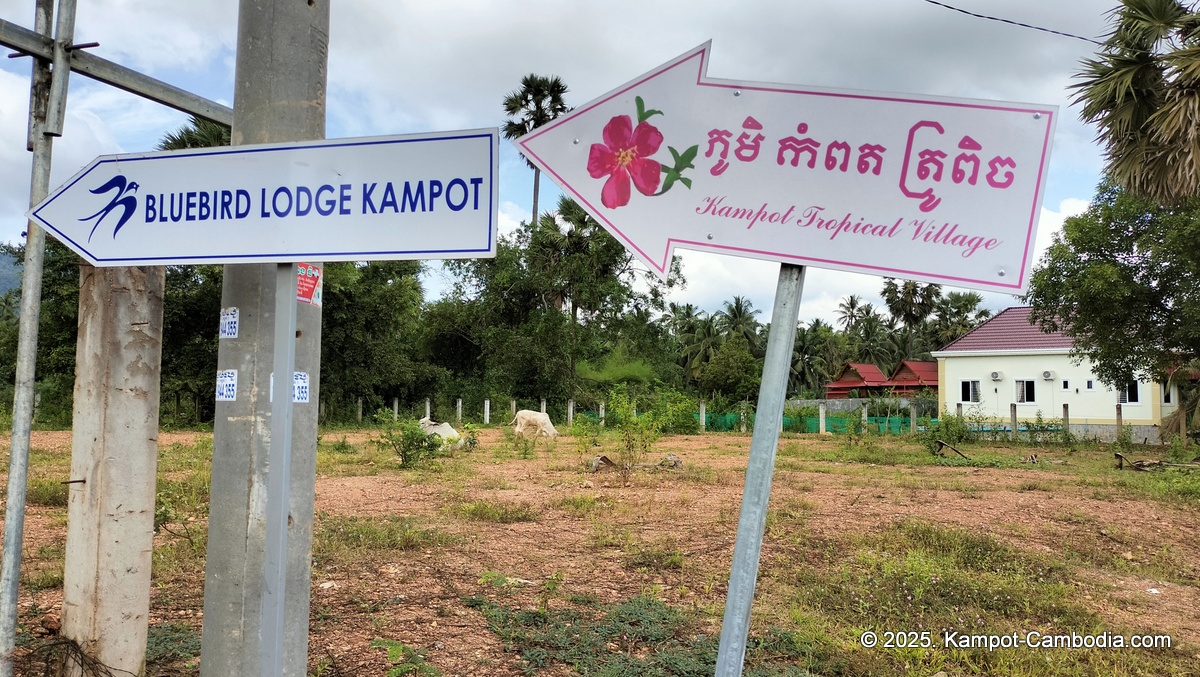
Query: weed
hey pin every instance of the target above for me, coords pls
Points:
(171, 642)
(499, 512)
(44, 579)
(582, 505)
(342, 539)
(404, 660)
(343, 447)
(660, 556)
(47, 492)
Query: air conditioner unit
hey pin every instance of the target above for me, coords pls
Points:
(997, 376)
(1048, 375)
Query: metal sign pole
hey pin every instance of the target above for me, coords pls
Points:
(767, 423)
(43, 96)
(279, 472)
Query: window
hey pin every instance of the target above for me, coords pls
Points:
(970, 391)
(1025, 391)
(1166, 394)
(1066, 384)
(1129, 394)
(1091, 385)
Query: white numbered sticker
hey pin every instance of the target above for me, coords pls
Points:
(227, 385)
(229, 323)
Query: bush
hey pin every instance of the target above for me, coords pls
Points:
(950, 429)
(676, 413)
(408, 441)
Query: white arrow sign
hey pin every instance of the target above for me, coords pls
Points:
(935, 189)
(422, 196)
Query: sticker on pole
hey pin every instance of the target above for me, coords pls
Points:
(229, 323)
(309, 284)
(227, 385)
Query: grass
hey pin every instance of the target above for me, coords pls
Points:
(343, 540)
(500, 512)
(661, 555)
(47, 492)
(582, 505)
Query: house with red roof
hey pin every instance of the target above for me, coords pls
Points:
(1007, 360)
(867, 380)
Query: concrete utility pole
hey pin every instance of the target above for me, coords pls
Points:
(114, 456)
(279, 96)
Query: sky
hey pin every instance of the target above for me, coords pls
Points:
(398, 67)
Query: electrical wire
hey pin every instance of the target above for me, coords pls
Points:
(1015, 23)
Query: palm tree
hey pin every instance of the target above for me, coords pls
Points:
(198, 133)
(910, 302)
(737, 319)
(1143, 91)
(809, 369)
(700, 345)
(538, 102)
(1186, 416)
(849, 311)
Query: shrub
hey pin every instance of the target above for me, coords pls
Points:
(408, 441)
(676, 413)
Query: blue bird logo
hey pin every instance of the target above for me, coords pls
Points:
(124, 198)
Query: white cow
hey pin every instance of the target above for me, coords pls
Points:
(535, 420)
(450, 437)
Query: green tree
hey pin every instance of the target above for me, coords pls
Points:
(538, 102)
(733, 371)
(909, 301)
(1143, 92)
(737, 319)
(1121, 280)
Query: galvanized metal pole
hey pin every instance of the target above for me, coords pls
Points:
(279, 96)
(767, 423)
(31, 295)
(279, 472)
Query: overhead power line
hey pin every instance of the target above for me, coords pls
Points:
(1015, 23)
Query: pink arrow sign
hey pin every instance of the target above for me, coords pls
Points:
(934, 189)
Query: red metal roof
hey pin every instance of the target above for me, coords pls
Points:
(1010, 330)
(864, 374)
(909, 371)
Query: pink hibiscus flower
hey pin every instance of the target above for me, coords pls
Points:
(624, 155)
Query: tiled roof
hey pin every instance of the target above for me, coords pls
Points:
(1010, 330)
(924, 372)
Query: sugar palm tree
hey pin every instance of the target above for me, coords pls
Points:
(538, 102)
(849, 311)
(910, 302)
(1143, 91)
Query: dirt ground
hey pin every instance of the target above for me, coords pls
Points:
(415, 597)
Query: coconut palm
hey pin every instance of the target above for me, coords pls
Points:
(737, 319)
(198, 133)
(1143, 91)
(538, 102)
(1186, 417)
(849, 311)
(809, 369)
(701, 345)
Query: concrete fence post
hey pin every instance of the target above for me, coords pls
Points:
(358, 416)
(512, 409)
(458, 409)
(912, 420)
(543, 405)
(487, 411)
(1066, 418)
(821, 418)
(1120, 421)
(601, 413)
(1012, 415)
(703, 416)
(427, 408)
(395, 409)
(570, 413)
(958, 410)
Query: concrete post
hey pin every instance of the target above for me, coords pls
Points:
(1012, 415)
(279, 96)
(427, 408)
(1066, 418)
(821, 418)
(458, 410)
(958, 410)
(358, 414)
(487, 411)
(1120, 421)
(512, 409)
(543, 405)
(395, 409)
(570, 413)
(703, 417)
(912, 420)
(601, 413)
(114, 452)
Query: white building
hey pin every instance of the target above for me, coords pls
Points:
(1007, 360)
